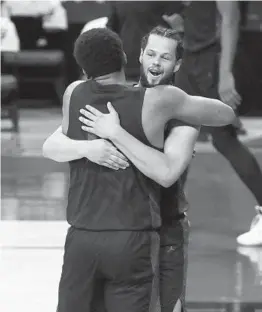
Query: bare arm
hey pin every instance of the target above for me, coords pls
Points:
(61, 148)
(163, 103)
(179, 147)
(230, 18)
(66, 103)
(164, 168)
(58, 146)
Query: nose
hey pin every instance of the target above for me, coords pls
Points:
(156, 60)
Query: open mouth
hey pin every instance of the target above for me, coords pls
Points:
(154, 72)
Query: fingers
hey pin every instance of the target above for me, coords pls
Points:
(231, 97)
(115, 163)
(88, 115)
(87, 122)
(110, 108)
(109, 164)
(118, 154)
(237, 97)
(234, 100)
(88, 129)
(116, 159)
(231, 100)
(94, 111)
(122, 164)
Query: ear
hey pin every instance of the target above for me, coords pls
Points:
(141, 56)
(124, 58)
(178, 64)
(84, 75)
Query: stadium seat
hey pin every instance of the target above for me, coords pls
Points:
(39, 66)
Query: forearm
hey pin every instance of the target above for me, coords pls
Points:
(199, 110)
(60, 148)
(228, 41)
(149, 161)
(179, 164)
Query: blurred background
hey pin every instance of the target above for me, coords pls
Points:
(37, 64)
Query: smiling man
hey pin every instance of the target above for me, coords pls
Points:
(157, 58)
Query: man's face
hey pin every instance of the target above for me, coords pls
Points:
(158, 61)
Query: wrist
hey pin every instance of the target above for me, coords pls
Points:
(114, 132)
(224, 72)
(82, 148)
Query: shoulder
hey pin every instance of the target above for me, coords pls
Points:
(164, 90)
(165, 94)
(66, 104)
(67, 94)
(69, 90)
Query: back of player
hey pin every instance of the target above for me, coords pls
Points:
(113, 216)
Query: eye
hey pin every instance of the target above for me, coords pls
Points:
(150, 53)
(166, 57)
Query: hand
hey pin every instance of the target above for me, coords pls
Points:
(102, 125)
(104, 153)
(175, 21)
(227, 90)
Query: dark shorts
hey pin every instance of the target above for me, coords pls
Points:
(123, 264)
(173, 264)
(172, 269)
(198, 75)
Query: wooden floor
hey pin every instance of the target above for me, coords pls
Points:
(221, 276)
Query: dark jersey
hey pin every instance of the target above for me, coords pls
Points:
(101, 198)
(173, 202)
(201, 24)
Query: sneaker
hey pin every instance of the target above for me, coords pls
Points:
(255, 256)
(254, 236)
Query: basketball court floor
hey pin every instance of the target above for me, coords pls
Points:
(222, 276)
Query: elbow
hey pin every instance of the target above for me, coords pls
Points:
(229, 116)
(166, 183)
(166, 179)
(47, 150)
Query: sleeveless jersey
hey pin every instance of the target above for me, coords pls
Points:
(100, 198)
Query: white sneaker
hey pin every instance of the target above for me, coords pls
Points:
(254, 236)
(255, 256)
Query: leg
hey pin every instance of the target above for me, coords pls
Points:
(244, 163)
(248, 170)
(14, 114)
(132, 273)
(78, 272)
(98, 302)
(173, 267)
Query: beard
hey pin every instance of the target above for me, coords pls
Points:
(168, 80)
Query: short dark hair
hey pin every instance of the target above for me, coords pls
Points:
(98, 52)
(165, 33)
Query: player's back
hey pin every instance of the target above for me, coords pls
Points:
(101, 198)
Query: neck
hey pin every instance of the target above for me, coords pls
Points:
(114, 78)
